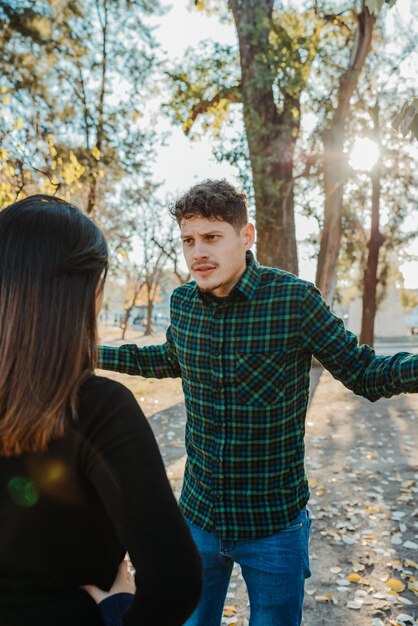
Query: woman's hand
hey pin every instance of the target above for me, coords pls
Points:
(123, 583)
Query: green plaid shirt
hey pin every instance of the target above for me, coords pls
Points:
(244, 362)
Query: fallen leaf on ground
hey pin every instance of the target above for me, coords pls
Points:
(326, 598)
(395, 585)
(229, 610)
(354, 578)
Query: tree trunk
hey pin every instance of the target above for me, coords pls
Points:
(271, 137)
(102, 12)
(124, 324)
(335, 174)
(335, 170)
(148, 327)
(376, 241)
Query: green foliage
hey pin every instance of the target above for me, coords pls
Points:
(72, 91)
(293, 44)
(208, 80)
(205, 84)
(212, 7)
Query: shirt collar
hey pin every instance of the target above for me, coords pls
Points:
(247, 284)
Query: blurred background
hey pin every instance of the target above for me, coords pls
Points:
(309, 106)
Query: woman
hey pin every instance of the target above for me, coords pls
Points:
(81, 477)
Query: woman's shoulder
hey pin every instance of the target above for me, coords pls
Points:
(103, 399)
(101, 385)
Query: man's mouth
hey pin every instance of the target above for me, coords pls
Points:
(204, 270)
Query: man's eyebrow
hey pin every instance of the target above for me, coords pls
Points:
(209, 232)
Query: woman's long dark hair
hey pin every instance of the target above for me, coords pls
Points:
(53, 260)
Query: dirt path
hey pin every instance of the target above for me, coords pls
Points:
(362, 462)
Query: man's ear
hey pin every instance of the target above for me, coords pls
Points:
(248, 235)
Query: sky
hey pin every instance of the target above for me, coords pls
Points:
(182, 162)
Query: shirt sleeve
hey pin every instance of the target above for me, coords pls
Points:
(127, 472)
(357, 367)
(149, 361)
(114, 609)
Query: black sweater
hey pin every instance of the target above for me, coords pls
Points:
(68, 516)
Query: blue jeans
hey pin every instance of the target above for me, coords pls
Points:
(274, 569)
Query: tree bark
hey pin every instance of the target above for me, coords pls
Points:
(376, 240)
(103, 21)
(124, 325)
(335, 167)
(148, 326)
(271, 137)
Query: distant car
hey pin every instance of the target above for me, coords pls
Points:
(139, 320)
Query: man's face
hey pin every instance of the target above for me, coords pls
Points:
(215, 252)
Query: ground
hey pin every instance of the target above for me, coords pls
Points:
(362, 463)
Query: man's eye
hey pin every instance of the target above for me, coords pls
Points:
(187, 242)
(212, 237)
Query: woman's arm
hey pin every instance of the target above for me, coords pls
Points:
(128, 474)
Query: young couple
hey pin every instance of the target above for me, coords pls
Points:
(79, 469)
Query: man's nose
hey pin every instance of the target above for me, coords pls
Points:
(200, 250)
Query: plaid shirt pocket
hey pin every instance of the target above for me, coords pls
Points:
(260, 378)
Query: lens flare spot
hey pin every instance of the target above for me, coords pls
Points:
(22, 491)
(55, 472)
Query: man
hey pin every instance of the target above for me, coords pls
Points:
(242, 337)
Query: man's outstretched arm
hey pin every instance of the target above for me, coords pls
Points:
(357, 367)
(149, 361)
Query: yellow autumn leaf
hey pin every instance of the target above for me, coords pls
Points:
(325, 598)
(4, 89)
(19, 123)
(413, 586)
(354, 578)
(229, 610)
(96, 153)
(395, 585)
(6, 99)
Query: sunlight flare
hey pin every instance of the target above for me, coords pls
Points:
(364, 154)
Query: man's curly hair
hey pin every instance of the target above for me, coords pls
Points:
(215, 200)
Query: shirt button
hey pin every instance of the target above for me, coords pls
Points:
(218, 315)
(218, 461)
